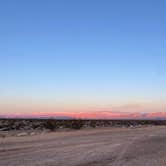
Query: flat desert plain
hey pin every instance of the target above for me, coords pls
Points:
(144, 146)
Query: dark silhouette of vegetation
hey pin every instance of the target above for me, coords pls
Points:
(51, 125)
(77, 124)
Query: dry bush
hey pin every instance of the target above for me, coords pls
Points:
(51, 125)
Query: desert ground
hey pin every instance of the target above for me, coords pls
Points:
(143, 146)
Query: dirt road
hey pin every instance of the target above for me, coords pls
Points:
(94, 147)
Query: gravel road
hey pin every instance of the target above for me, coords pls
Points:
(145, 146)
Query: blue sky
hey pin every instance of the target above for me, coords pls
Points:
(89, 52)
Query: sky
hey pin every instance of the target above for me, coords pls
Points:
(87, 59)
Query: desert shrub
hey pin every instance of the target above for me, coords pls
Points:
(93, 123)
(51, 125)
(76, 124)
(67, 123)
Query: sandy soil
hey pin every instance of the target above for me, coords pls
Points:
(91, 147)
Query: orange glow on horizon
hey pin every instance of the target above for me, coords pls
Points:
(131, 110)
(93, 115)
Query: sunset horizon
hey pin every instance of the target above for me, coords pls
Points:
(85, 59)
(83, 83)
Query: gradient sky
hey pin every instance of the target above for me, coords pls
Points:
(61, 56)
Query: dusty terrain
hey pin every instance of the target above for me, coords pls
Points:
(145, 146)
